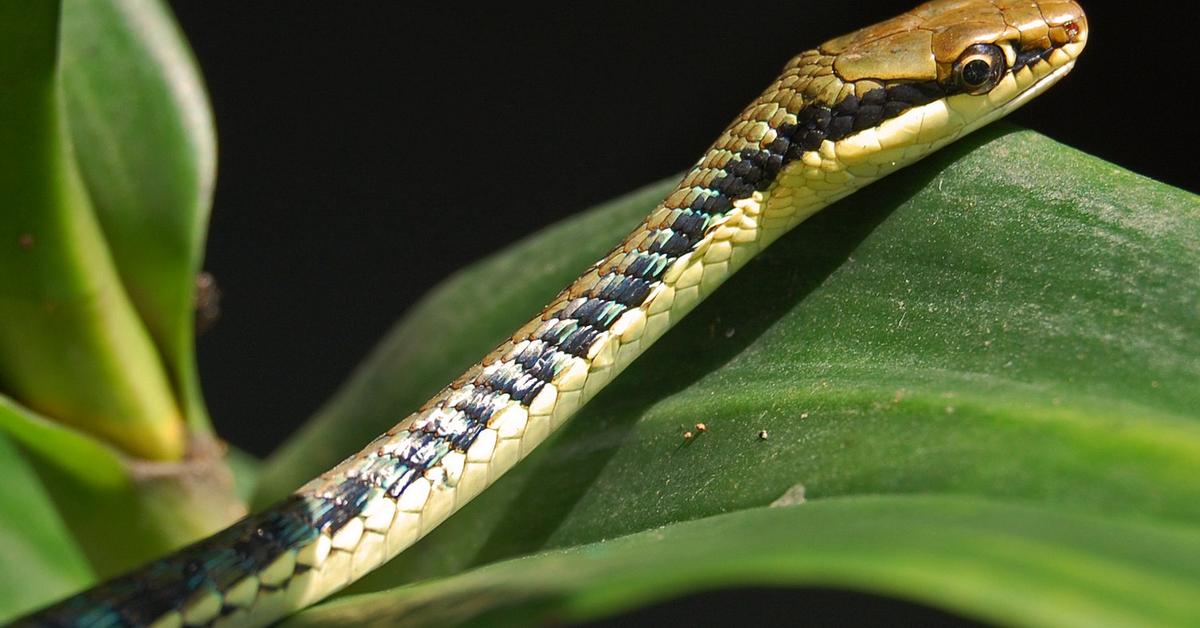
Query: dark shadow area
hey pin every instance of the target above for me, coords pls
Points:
(762, 606)
(367, 153)
(740, 606)
(789, 270)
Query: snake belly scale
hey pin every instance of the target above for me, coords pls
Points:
(838, 117)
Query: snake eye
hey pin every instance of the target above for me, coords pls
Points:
(979, 68)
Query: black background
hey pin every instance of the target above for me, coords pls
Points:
(368, 152)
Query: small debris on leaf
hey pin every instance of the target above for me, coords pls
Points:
(791, 497)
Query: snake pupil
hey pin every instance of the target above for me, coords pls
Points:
(978, 68)
(976, 72)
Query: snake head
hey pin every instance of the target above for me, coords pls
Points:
(956, 41)
(899, 89)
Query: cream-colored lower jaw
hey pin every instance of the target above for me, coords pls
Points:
(838, 168)
(902, 140)
(1015, 90)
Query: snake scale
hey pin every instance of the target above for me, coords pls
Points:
(837, 118)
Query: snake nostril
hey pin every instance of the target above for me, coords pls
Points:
(1072, 29)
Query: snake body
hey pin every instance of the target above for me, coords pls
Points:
(838, 117)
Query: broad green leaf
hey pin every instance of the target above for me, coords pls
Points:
(1010, 319)
(1008, 563)
(972, 325)
(144, 140)
(71, 345)
(39, 561)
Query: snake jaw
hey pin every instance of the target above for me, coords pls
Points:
(924, 43)
(1045, 52)
(1027, 47)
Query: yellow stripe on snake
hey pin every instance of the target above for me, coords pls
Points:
(839, 117)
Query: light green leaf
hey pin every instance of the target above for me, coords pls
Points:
(83, 390)
(144, 140)
(39, 561)
(71, 344)
(121, 512)
(1003, 562)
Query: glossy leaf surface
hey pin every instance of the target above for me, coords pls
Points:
(1010, 319)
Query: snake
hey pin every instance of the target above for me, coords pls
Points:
(837, 118)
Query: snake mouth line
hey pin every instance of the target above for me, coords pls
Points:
(1032, 56)
(1029, 57)
(1074, 34)
(1038, 87)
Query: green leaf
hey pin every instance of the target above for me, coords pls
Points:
(1010, 319)
(71, 344)
(1002, 562)
(39, 561)
(144, 140)
(83, 390)
(122, 512)
(245, 469)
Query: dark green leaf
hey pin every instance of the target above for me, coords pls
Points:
(1010, 319)
(1003, 562)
